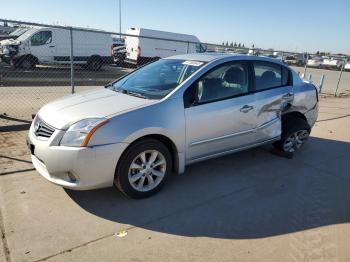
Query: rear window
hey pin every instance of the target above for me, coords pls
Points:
(269, 75)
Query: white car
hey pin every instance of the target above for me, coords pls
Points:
(315, 62)
(333, 63)
(347, 66)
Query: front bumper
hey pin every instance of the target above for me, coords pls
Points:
(5, 58)
(79, 168)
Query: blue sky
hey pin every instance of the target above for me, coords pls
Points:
(296, 25)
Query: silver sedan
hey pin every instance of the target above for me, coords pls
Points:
(156, 120)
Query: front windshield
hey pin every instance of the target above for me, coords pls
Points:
(156, 80)
(28, 33)
(19, 31)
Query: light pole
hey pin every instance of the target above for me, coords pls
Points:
(120, 19)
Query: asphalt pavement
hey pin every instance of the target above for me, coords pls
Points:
(59, 76)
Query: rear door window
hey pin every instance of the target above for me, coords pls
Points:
(269, 75)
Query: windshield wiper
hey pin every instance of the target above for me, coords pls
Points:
(135, 94)
(124, 91)
(127, 92)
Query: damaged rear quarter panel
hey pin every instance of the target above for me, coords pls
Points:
(305, 102)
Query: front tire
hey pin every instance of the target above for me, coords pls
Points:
(95, 63)
(295, 132)
(25, 62)
(143, 169)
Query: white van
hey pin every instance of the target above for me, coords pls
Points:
(146, 45)
(45, 45)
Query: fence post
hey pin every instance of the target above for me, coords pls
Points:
(1, 76)
(307, 59)
(71, 61)
(321, 83)
(341, 72)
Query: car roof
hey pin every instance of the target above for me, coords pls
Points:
(209, 57)
(204, 57)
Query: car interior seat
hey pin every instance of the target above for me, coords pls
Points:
(268, 79)
(232, 83)
(235, 81)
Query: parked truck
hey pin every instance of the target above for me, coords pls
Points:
(145, 45)
(45, 45)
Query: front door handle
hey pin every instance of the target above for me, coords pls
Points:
(288, 96)
(246, 108)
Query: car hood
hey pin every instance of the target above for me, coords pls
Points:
(10, 41)
(97, 103)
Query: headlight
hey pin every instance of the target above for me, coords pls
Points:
(80, 133)
(6, 51)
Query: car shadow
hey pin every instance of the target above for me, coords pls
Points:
(252, 194)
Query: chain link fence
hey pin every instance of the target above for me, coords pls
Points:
(40, 63)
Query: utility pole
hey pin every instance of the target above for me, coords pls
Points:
(120, 19)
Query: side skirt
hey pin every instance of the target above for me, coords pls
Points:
(195, 160)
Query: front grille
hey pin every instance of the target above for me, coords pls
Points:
(41, 129)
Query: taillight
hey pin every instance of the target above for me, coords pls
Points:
(138, 51)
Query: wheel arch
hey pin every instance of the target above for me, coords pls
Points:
(91, 61)
(31, 57)
(293, 114)
(93, 57)
(167, 142)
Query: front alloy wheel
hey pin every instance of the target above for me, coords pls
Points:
(143, 168)
(147, 170)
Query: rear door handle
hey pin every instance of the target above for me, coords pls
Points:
(246, 108)
(51, 46)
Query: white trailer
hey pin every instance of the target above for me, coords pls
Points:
(45, 45)
(145, 45)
